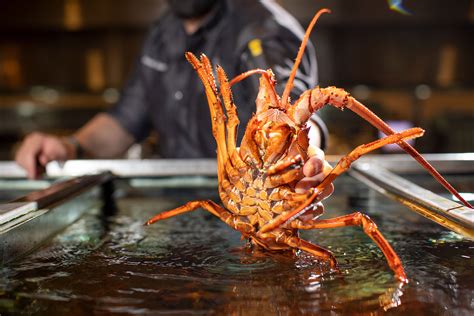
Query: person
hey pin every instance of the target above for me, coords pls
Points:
(164, 92)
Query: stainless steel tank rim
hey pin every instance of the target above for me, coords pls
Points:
(23, 235)
(454, 163)
(443, 211)
(27, 222)
(130, 168)
(22, 208)
(11, 211)
(19, 220)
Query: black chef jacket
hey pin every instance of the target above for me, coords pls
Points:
(165, 93)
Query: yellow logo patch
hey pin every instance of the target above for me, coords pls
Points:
(255, 47)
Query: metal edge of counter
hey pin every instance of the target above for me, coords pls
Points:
(34, 218)
(400, 163)
(442, 211)
(124, 168)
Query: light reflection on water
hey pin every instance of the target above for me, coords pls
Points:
(195, 264)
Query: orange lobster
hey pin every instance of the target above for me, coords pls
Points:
(256, 181)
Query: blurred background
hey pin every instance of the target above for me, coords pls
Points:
(62, 61)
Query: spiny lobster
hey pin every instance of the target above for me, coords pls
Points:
(256, 181)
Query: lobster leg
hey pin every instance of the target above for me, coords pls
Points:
(285, 171)
(343, 164)
(210, 206)
(282, 165)
(283, 178)
(315, 99)
(231, 195)
(374, 120)
(249, 73)
(369, 227)
(317, 251)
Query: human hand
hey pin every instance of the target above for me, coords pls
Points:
(38, 149)
(315, 170)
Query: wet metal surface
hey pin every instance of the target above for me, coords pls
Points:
(195, 264)
(450, 214)
(26, 222)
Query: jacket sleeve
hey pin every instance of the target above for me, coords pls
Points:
(132, 109)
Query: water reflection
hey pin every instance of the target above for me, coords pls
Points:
(195, 264)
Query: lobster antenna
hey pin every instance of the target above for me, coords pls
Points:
(291, 79)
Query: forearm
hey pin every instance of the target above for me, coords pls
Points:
(103, 137)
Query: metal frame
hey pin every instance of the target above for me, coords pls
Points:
(27, 222)
(372, 170)
(130, 168)
(456, 163)
(447, 213)
(135, 168)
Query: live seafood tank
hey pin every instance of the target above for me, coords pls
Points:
(102, 260)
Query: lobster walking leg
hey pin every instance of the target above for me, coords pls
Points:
(210, 206)
(343, 164)
(285, 171)
(283, 178)
(315, 99)
(317, 251)
(282, 165)
(370, 228)
(374, 120)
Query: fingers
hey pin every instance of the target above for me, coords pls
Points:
(327, 192)
(315, 170)
(312, 213)
(307, 183)
(37, 150)
(53, 149)
(28, 153)
(315, 163)
(313, 166)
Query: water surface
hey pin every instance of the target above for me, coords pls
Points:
(195, 264)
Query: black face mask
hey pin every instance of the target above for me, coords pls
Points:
(186, 9)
